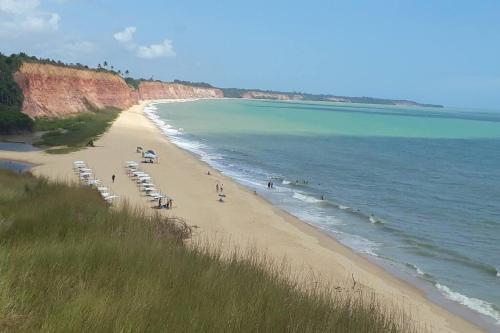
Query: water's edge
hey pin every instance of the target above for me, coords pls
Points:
(440, 295)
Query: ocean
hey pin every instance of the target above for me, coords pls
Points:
(416, 188)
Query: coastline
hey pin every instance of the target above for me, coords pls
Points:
(244, 219)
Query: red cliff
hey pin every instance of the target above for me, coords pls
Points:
(54, 91)
(162, 90)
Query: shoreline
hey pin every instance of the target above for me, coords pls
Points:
(245, 219)
(429, 291)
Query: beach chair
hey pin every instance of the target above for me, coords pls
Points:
(93, 182)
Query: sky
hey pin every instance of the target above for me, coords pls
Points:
(433, 51)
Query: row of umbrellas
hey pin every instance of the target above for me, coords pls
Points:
(87, 177)
(144, 182)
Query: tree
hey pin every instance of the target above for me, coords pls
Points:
(126, 72)
(99, 66)
(105, 63)
(112, 67)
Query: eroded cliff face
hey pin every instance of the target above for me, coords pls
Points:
(162, 90)
(264, 95)
(56, 91)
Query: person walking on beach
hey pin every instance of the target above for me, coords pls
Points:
(269, 184)
(113, 178)
(217, 188)
(221, 188)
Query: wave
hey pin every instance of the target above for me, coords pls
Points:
(359, 243)
(306, 198)
(420, 272)
(434, 251)
(375, 220)
(475, 304)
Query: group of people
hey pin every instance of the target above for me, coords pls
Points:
(219, 188)
(167, 204)
(270, 184)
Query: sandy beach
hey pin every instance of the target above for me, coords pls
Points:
(243, 220)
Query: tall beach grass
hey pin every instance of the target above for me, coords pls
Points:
(69, 263)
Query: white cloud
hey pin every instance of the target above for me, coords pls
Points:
(163, 49)
(126, 35)
(18, 6)
(18, 17)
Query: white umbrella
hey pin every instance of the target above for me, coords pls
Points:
(111, 197)
(93, 181)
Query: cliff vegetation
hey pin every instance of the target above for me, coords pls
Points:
(72, 133)
(11, 98)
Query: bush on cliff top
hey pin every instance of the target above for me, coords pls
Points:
(70, 264)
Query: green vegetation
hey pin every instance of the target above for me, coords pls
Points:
(74, 132)
(134, 83)
(194, 84)
(11, 98)
(14, 121)
(71, 264)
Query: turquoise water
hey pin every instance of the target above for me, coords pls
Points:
(416, 188)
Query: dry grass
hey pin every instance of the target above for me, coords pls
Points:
(69, 263)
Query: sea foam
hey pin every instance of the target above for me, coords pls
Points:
(475, 304)
(305, 198)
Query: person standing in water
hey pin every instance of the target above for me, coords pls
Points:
(113, 178)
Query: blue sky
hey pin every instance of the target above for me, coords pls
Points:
(444, 52)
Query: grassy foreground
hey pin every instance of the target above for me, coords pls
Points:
(71, 264)
(74, 132)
